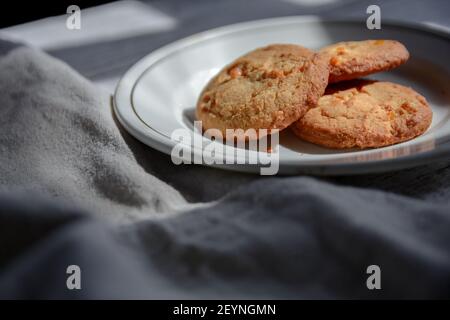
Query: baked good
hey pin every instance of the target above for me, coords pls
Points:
(365, 114)
(355, 59)
(267, 88)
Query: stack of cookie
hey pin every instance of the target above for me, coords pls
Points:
(318, 95)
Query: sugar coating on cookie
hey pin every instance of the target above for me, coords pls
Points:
(268, 88)
(354, 59)
(365, 114)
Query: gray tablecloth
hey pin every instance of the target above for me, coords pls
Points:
(77, 189)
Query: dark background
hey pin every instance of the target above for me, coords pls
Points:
(19, 11)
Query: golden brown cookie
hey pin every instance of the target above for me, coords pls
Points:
(365, 114)
(354, 59)
(268, 88)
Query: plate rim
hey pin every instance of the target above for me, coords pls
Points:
(162, 144)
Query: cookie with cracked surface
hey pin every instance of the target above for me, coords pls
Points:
(365, 114)
(267, 88)
(355, 59)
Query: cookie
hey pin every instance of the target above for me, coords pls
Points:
(268, 88)
(354, 59)
(365, 114)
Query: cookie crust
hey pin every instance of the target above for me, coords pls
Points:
(355, 59)
(267, 88)
(365, 114)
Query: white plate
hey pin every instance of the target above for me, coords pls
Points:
(158, 94)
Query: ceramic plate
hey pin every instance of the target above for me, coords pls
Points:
(158, 94)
